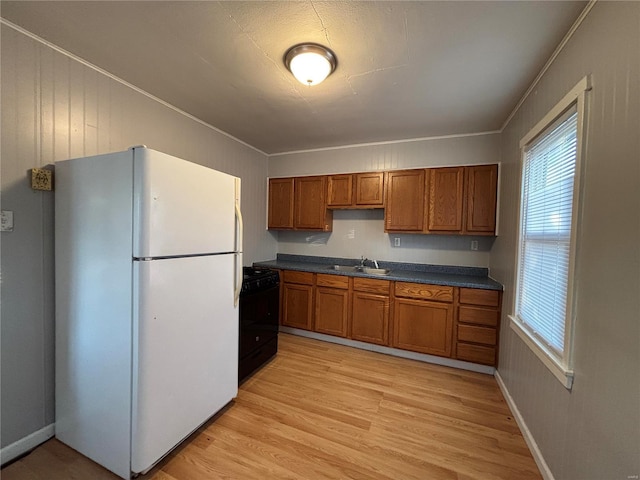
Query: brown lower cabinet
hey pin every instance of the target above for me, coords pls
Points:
(297, 299)
(423, 318)
(477, 326)
(370, 320)
(370, 311)
(332, 305)
(423, 326)
(453, 322)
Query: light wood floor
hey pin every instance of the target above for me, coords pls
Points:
(324, 411)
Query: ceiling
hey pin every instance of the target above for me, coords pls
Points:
(405, 69)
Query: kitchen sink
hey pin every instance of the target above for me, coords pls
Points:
(345, 268)
(375, 271)
(357, 268)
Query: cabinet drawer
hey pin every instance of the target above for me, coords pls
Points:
(480, 316)
(334, 281)
(476, 353)
(474, 296)
(471, 333)
(422, 291)
(371, 285)
(303, 278)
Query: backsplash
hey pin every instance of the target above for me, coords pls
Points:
(359, 233)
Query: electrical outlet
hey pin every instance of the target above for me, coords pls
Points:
(396, 242)
(41, 179)
(474, 244)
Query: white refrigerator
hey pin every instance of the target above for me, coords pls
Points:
(148, 274)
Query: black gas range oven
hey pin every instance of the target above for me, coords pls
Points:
(259, 309)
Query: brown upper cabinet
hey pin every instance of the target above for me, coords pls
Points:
(370, 189)
(449, 200)
(356, 190)
(310, 204)
(404, 205)
(445, 199)
(481, 186)
(340, 191)
(280, 203)
(462, 200)
(299, 203)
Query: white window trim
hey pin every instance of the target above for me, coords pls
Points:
(562, 369)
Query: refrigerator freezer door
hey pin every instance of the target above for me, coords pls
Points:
(185, 350)
(181, 208)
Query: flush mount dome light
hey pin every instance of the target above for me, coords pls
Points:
(310, 63)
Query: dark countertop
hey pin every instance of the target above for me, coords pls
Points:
(471, 277)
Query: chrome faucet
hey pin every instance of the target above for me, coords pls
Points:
(375, 263)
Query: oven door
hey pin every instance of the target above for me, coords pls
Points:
(258, 319)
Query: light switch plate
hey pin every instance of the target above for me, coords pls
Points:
(41, 179)
(6, 221)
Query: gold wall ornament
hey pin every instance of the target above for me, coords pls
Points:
(41, 179)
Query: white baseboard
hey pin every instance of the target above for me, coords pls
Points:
(531, 442)
(27, 443)
(396, 352)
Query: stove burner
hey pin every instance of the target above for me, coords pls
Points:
(249, 272)
(258, 278)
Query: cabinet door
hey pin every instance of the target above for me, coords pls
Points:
(423, 326)
(404, 206)
(297, 305)
(332, 310)
(370, 189)
(370, 318)
(482, 184)
(339, 190)
(445, 199)
(280, 203)
(310, 204)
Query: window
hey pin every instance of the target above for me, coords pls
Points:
(543, 314)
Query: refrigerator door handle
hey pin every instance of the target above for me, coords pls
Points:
(238, 286)
(238, 256)
(240, 229)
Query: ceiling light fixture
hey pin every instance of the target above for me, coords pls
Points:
(310, 63)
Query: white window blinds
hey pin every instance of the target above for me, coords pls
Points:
(545, 236)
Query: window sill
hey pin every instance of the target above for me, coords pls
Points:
(564, 375)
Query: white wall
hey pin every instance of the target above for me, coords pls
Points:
(361, 232)
(593, 431)
(54, 107)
